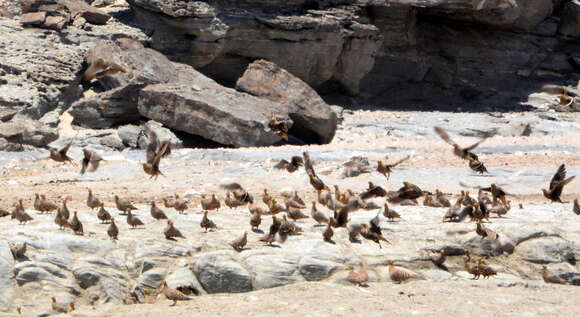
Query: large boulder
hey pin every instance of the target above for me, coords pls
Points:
(218, 272)
(106, 109)
(570, 19)
(313, 119)
(23, 130)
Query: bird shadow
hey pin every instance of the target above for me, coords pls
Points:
(483, 175)
(274, 246)
(242, 249)
(442, 266)
(23, 258)
(170, 238)
(356, 240)
(319, 225)
(258, 231)
(330, 241)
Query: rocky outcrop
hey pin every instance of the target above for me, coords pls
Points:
(57, 14)
(313, 120)
(389, 53)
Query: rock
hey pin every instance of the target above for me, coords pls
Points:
(183, 277)
(6, 262)
(90, 275)
(130, 134)
(325, 45)
(570, 19)
(211, 111)
(161, 250)
(102, 139)
(64, 244)
(114, 291)
(23, 130)
(48, 267)
(273, 271)
(33, 274)
(153, 278)
(33, 18)
(163, 134)
(89, 13)
(109, 108)
(313, 118)
(316, 270)
(219, 273)
(546, 250)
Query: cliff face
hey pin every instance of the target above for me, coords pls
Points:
(432, 52)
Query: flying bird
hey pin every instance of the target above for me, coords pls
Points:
(387, 169)
(295, 163)
(464, 153)
(91, 161)
(557, 184)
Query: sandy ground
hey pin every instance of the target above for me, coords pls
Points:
(523, 165)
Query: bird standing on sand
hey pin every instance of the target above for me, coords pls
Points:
(239, 243)
(76, 225)
(156, 212)
(171, 232)
(91, 161)
(477, 166)
(317, 215)
(210, 203)
(103, 215)
(485, 269)
(124, 205)
(389, 213)
(255, 220)
(133, 221)
(387, 169)
(274, 228)
(328, 232)
(20, 213)
(93, 201)
(557, 184)
(113, 231)
(399, 274)
(60, 308)
(550, 277)
(206, 223)
(173, 294)
(471, 266)
(180, 204)
(359, 277)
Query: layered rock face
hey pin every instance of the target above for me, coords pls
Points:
(386, 52)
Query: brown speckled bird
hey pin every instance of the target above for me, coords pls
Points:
(399, 274)
(171, 232)
(93, 201)
(156, 212)
(295, 163)
(102, 67)
(440, 197)
(280, 126)
(60, 308)
(232, 202)
(180, 204)
(464, 153)
(275, 207)
(169, 202)
(113, 231)
(173, 294)
(497, 193)
(155, 152)
(557, 184)
(18, 250)
(373, 191)
(315, 181)
(328, 233)
(266, 197)
(90, 162)
(550, 277)
(103, 215)
(387, 169)
(274, 228)
(76, 225)
(471, 266)
(239, 243)
(61, 155)
(389, 213)
(576, 208)
(63, 209)
(206, 223)
(408, 191)
(20, 213)
(211, 203)
(61, 221)
(477, 166)
(124, 205)
(255, 220)
(317, 215)
(485, 269)
(133, 221)
(359, 277)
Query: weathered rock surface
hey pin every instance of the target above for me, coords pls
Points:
(570, 19)
(104, 110)
(218, 272)
(313, 120)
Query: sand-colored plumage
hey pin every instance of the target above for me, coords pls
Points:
(239, 243)
(156, 212)
(328, 233)
(113, 230)
(485, 269)
(133, 221)
(20, 213)
(102, 67)
(275, 207)
(440, 197)
(90, 162)
(60, 155)
(75, 224)
(124, 205)
(295, 214)
(232, 202)
(273, 230)
(400, 274)
(171, 232)
(155, 152)
(42, 204)
(60, 308)
(471, 266)
(373, 191)
(317, 215)
(437, 257)
(210, 203)
(295, 163)
(497, 193)
(464, 153)
(280, 126)
(93, 201)
(61, 221)
(408, 191)
(389, 213)
(180, 204)
(63, 209)
(387, 169)
(173, 294)
(255, 219)
(500, 209)
(169, 202)
(18, 250)
(484, 232)
(266, 197)
(550, 277)
(453, 211)
(324, 196)
(207, 223)
(477, 166)
(557, 184)
(103, 215)
(359, 277)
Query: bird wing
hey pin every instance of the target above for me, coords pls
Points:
(165, 148)
(558, 177)
(65, 148)
(153, 145)
(281, 165)
(308, 164)
(161, 153)
(443, 134)
(400, 161)
(297, 161)
(475, 145)
(85, 161)
(376, 225)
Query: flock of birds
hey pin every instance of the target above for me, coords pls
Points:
(340, 203)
